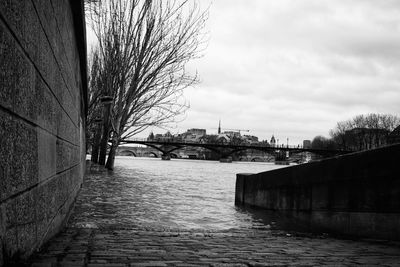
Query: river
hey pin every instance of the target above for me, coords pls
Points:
(174, 194)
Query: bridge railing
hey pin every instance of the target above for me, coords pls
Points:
(172, 140)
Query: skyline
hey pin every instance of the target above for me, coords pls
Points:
(294, 69)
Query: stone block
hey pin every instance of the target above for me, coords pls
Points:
(239, 191)
(7, 78)
(44, 208)
(21, 209)
(46, 16)
(6, 154)
(272, 198)
(47, 64)
(64, 152)
(285, 198)
(27, 238)
(66, 129)
(18, 157)
(69, 105)
(63, 16)
(340, 195)
(24, 100)
(16, 77)
(302, 199)
(320, 194)
(10, 245)
(63, 189)
(25, 157)
(47, 106)
(46, 155)
(52, 196)
(23, 21)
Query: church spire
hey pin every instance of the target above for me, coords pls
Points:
(219, 127)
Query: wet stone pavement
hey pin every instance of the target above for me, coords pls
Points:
(89, 244)
(132, 247)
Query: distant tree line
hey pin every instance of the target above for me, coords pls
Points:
(362, 132)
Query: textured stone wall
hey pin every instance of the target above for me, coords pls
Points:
(42, 106)
(356, 194)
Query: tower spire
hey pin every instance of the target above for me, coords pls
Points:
(219, 127)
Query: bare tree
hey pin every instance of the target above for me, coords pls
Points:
(144, 46)
(364, 131)
(93, 131)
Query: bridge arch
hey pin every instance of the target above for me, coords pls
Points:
(127, 152)
(151, 153)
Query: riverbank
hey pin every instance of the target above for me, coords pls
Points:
(356, 194)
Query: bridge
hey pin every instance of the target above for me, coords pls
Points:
(138, 151)
(224, 150)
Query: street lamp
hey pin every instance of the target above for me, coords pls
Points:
(96, 140)
(106, 101)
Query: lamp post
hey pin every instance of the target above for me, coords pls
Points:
(106, 101)
(96, 140)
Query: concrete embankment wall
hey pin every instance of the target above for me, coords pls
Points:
(356, 194)
(42, 110)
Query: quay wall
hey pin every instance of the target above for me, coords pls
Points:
(43, 102)
(356, 194)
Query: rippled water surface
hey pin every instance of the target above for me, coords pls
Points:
(175, 194)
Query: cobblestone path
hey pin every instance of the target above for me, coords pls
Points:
(132, 247)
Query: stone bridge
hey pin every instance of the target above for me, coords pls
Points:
(138, 151)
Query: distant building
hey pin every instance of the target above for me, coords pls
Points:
(223, 138)
(150, 137)
(158, 137)
(306, 144)
(273, 141)
(250, 139)
(394, 136)
(199, 132)
(193, 135)
(232, 134)
(161, 137)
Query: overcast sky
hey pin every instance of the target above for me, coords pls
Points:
(293, 68)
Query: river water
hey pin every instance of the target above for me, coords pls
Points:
(174, 194)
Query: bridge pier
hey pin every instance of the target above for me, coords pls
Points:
(225, 160)
(166, 157)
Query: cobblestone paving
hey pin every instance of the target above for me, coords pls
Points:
(146, 247)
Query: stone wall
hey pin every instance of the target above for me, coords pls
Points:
(42, 110)
(356, 194)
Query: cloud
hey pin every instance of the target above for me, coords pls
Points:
(297, 67)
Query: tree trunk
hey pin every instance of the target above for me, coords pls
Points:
(111, 154)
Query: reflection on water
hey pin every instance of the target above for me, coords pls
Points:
(176, 194)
